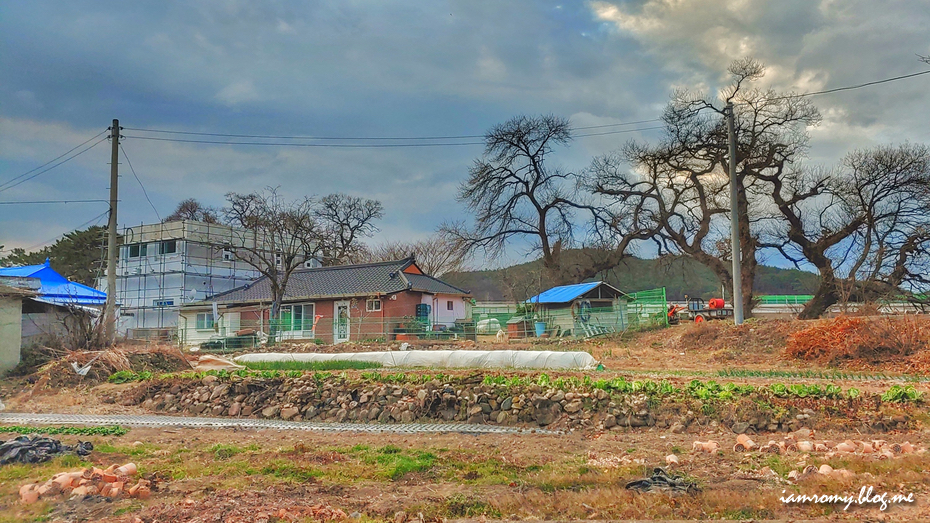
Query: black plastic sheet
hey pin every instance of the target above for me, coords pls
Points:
(661, 480)
(37, 449)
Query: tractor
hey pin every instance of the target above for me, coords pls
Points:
(699, 312)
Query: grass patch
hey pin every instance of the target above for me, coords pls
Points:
(14, 473)
(393, 462)
(290, 471)
(127, 376)
(114, 430)
(144, 450)
(312, 365)
(222, 452)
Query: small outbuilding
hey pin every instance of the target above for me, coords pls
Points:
(580, 310)
(56, 303)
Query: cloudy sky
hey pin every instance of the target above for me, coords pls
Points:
(353, 69)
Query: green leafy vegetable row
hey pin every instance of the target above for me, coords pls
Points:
(112, 430)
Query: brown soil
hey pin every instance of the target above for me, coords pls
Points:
(578, 476)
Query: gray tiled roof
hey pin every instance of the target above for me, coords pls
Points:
(344, 280)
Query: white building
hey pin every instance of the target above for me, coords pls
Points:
(162, 266)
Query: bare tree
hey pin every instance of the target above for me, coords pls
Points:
(436, 255)
(191, 209)
(864, 226)
(514, 192)
(274, 236)
(343, 221)
(680, 189)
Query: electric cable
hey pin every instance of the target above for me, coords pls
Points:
(66, 160)
(53, 159)
(144, 192)
(38, 202)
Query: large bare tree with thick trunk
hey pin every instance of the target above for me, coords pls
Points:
(516, 193)
(864, 226)
(680, 186)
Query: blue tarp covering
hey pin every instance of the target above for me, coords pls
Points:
(55, 288)
(563, 294)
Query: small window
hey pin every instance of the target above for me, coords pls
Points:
(204, 320)
(164, 303)
(137, 250)
(168, 247)
(279, 261)
(227, 255)
(373, 305)
(450, 306)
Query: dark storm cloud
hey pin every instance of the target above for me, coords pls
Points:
(355, 68)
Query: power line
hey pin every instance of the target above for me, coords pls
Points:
(37, 202)
(616, 124)
(621, 131)
(66, 160)
(280, 137)
(362, 138)
(53, 159)
(851, 87)
(92, 220)
(144, 192)
(285, 144)
(359, 145)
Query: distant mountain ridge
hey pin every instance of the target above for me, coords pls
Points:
(679, 275)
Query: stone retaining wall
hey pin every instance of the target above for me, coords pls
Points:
(340, 400)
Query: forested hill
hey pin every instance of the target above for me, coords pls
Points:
(680, 276)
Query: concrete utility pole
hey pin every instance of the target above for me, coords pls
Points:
(734, 221)
(110, 312)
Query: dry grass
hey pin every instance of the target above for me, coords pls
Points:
(453, 476)
(137, 358)
(867, 340)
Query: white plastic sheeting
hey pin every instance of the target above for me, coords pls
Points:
(446, 359)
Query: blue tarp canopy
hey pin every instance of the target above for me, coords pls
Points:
(565, 293)
(55, 288)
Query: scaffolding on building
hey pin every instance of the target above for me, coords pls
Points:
(163, 266)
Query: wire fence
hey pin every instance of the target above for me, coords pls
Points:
(576, 319)
(225, 335)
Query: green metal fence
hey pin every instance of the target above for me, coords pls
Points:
(637, 311)
(785, 299)
(648, 309)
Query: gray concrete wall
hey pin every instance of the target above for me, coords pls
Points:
(11, 331)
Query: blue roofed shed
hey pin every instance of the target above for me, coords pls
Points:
(583, 309)
(55, 289)
(54, 305)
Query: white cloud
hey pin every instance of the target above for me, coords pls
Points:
(491, 67)
(286, 28)
(238, 92)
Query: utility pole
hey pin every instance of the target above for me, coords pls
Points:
(734, 221)
(110, 312)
